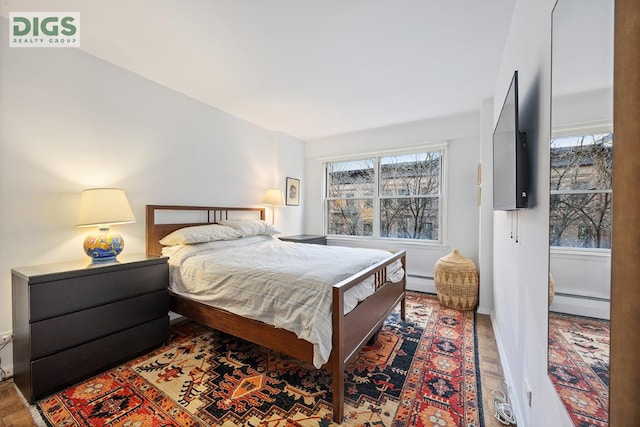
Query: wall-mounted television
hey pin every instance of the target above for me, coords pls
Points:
(510, 162)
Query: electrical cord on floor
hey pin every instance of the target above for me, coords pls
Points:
(504, 413)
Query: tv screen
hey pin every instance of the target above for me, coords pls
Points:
(510, 169)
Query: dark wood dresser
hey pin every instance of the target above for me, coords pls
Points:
(315, 239)
(73, 320)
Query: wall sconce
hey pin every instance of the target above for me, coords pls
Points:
(103, 207)
(273, 197)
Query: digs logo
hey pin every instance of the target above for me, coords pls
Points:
(44, 29)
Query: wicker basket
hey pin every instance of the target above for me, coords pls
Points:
(456, 280)
(552, 289)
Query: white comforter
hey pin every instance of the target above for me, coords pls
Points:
(287, 285)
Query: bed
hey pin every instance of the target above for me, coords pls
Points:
(348, 332)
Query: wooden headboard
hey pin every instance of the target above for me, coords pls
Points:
(186, 216)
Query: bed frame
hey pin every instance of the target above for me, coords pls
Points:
(350, 332)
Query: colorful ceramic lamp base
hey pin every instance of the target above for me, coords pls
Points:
(103, 245)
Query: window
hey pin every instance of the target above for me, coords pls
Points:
(389, 196)
(580, 207)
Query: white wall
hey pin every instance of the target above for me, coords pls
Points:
(521, 268)
(69, 121)
(582, 282)
(462, 134)
(289, 219)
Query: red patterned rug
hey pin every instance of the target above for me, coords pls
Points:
(421, 372)
(579, 367)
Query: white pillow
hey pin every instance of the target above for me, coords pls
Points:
(251, 227)
(200, 234)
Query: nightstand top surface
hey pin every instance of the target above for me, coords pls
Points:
(83, 267)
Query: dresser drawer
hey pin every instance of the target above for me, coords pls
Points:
(49, 299)
(59, 333)
(63, 369)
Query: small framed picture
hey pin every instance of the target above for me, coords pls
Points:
(293, 192)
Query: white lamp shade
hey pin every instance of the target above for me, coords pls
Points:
(273, 197)
(104, 206)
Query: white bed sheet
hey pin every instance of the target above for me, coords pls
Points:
(284, 284)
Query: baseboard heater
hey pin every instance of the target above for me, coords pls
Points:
(417, 276)
(562, 294)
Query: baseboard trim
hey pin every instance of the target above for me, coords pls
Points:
(506, 369)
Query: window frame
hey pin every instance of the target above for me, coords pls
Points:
(441, 146)
(574, 130)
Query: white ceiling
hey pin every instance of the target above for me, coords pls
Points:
(309, 68)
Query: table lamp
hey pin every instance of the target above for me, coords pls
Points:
(103, 207)
(273, 197)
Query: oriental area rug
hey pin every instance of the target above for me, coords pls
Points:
(579, 367)
(421, 372)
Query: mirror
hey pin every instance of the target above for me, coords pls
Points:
(581, 150)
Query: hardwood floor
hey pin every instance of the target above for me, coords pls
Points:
(491, 374)
(14, 412)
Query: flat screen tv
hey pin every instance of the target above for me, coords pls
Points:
(510, 162)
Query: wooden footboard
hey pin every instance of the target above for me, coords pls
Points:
(350, 332)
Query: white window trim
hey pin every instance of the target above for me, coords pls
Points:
(564, 192)
(431, 146)
(576, 129)
(580, 252)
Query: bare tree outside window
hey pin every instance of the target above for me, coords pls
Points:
(350, 190)
(580, 210)
(400, 193)
(410, 195)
